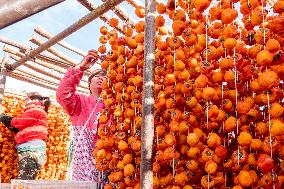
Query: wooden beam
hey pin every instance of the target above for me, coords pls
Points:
(135, 3)
(120, 12)
(68, 31)
(84, 83)
(24, 48)
(14, 10)
(34, 39)
(28, 65)
(103, 17)
(31, 75)
(28, 80)
(68, 46)
(31, 78)
(16, 55)
(6, 48)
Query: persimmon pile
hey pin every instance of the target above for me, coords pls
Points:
(12, 106)
(218, 97)
(59, 126)
(57, 144)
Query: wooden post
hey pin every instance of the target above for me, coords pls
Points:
(68, 31)
(3, 75)
(147, 131)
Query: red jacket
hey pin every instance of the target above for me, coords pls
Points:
(77, 106)
(32, 124)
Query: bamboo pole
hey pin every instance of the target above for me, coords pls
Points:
(103, 17)
(34, 39)
(11, 42)
(14, 10)
(68, 31)
(68, 46)
(33, 76)
(28, 65)
(83, 85)
(56, 69)
(28, 80)
(147, 130)
(3, 75)
(18, 55)
(51, 61)
(55, 83)
(24, 48)
(135, 3)
(120, 12)
(39, 81)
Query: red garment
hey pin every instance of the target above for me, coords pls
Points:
(78, 106)
(32, 124)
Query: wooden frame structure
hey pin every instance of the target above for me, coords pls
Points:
(45, 65)
(50, 63)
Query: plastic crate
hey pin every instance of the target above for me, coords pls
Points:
(52, 184)
(5, 186)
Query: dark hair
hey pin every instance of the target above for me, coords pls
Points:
(46, 100)
(96, 72)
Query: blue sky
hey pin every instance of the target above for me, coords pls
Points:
(55, 20)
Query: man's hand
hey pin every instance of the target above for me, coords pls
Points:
(89, 60)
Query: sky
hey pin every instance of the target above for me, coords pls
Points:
(55, 20)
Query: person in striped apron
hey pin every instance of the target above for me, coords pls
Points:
(84, 112)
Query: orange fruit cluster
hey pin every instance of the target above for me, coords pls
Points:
(218, 96)
(59, 126)
(57, 144)
(11, 106)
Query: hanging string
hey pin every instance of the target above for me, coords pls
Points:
(269, 124)
(270, 137)
(262, 11)
(236, 101)
(108, 80)
(206, 47)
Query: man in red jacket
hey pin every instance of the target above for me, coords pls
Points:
(31, 129)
